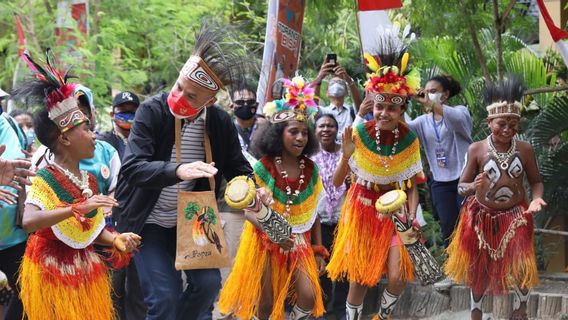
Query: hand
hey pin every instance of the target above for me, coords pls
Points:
(126, 242)
(95, 202)
(416, 230)
(14, 173)
(536, 206)
(288, 244)
(107, 212)
(9, 197)
(28, 155)
(347, 146)
(422, 97)
(340, 72)
(196, 170)
(320, 261)
(325, 70)
(480, 181)
(264, 197)
(366, 106)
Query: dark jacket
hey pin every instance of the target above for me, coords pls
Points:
(147, 169)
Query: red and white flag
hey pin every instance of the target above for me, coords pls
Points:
(372, 15)
(558, 35)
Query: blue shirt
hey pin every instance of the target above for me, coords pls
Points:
(455, 137)
(10, 234)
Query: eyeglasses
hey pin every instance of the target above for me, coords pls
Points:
(243, 102)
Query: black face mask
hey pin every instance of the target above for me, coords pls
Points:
(245, 111)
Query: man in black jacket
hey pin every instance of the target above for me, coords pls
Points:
(150, 177)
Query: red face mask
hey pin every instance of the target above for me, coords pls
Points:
(180, 107)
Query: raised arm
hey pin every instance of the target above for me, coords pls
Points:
(343, 167)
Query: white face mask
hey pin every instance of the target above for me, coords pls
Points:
(435, 97)
(336, 90)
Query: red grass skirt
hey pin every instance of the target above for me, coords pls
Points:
(492, 250)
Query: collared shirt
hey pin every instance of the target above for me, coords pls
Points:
(329, 206)
(192, 149)
(246, 135)
(344, 117)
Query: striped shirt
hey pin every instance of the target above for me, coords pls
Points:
(164, 213)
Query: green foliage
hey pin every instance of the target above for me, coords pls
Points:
(210, 215)
(547, 133)
(191, 209)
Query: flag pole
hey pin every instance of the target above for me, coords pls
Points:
(356, 9)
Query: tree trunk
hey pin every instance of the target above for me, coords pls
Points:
(476, 46)
(498, 23)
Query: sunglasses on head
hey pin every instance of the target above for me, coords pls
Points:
(243, 102)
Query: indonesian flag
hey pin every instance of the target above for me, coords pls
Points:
(558, 35)
(371, 15)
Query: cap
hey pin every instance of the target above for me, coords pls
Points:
(125, 97)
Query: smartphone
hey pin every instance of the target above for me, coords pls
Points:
(331, 57)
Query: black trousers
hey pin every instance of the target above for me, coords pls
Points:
(447, 203)
(337, 297)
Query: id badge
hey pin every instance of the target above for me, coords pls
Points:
(441, 159)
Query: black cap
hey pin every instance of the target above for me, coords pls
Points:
(125, 97)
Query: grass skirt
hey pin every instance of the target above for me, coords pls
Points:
(241, 293)
(492, 250)
(58, 282)
(363, 240)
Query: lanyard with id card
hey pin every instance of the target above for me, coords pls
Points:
(441, 158)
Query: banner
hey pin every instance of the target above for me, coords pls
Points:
(72, 17)
(281, 46)
(370, 15)
(558, 35)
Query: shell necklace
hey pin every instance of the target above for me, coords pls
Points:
(289, 194)
(502, 157)
(82, 184)
(383, 159)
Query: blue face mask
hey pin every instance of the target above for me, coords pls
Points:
(30, 137)
(124, 119)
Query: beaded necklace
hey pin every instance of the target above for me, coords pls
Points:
(284, 174)
(502, 157)
(383, 160)
(82, 184)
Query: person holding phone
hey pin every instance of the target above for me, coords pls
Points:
(445, 134)
(337, 89)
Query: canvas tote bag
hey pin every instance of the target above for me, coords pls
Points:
(200, 239)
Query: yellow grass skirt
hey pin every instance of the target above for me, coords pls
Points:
(61, 283)
(241, 293)
(363, 240)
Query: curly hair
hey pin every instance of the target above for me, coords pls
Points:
(268, 140)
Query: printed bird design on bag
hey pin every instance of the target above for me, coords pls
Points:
(202, 231)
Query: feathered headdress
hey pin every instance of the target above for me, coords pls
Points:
(298, 103)
(51, 89)
(389, 75)
(503, 98)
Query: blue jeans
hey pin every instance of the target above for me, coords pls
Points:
(162, 283)
(447, 203)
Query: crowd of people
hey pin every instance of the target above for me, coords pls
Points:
(90, 221)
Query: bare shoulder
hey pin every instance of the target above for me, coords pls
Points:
(524, 146)
(476, 147)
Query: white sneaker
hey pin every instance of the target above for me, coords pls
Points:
(444, 284)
